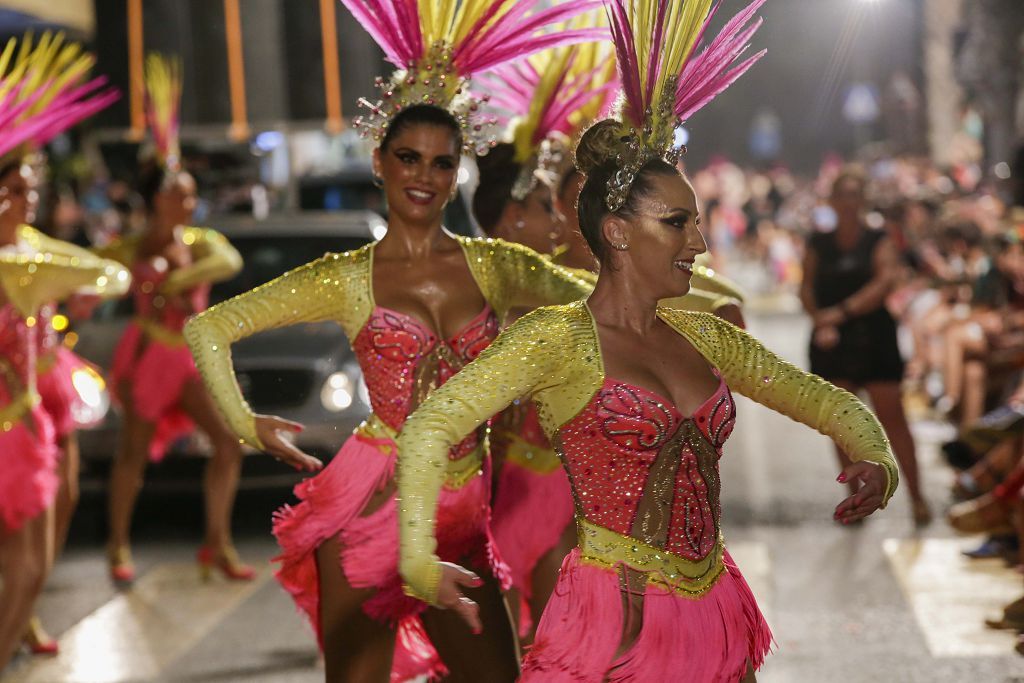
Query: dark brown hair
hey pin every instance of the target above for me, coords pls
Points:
(498, 172)
(422, 114)
(596, 159)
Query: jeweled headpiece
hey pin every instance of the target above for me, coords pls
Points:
(44, 91)
(547, 98)
(438, 45)
(163, 107)
(664, 79)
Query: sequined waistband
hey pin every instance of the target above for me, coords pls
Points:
(384, 437)
(45, 361)
(530, 456)
(160, 333)
(12, 413)
(606, 548)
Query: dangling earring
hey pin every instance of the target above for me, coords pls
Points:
(378, 182)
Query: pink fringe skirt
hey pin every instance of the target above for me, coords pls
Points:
(60, 398)
(531, 513)
(157, 374)
(28, 468)
(710, 639)
(331, 506)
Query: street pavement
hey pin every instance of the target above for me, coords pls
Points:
(878, 602)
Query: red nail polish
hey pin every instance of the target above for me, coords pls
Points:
(841, 478)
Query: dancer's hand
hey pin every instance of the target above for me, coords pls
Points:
(450, 596)
(271, 431)
(869, 496)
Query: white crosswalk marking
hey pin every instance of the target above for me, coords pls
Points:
(134, 636)
(951, 595)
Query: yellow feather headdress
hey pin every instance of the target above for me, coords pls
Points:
(438, 45)
(664, 79)
(44, 91)
(546, 99)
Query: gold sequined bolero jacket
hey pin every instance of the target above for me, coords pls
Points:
(554, 356)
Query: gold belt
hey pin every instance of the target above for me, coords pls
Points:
(45, 362)
(16, 410)
(458, 473)
(530, 456)
(160, 333)
(606, 548)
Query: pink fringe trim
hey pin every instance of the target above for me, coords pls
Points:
(531, 513)
(707, 639)
(28, 470)
(60, 398)
(330, 506)
(157, 378)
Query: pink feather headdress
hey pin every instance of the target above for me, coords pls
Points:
(438, 45)
(664, 78)
(546, 99)
(44, 92)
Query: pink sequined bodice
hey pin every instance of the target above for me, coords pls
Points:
(17, 350)
(403, 360)
(642, 469)
(170, 312)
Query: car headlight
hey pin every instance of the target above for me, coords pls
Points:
(94, 401)
(336, 394)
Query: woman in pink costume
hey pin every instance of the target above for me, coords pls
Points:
(417, 306)
(636, 398)
(47, 93)
(548, 100)
(153, 376)
(33, 272)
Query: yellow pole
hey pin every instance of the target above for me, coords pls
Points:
(239, 129)
(332, 76)
(136, 81)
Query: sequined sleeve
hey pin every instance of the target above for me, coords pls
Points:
(331, 288)
(525, 358)
(105, 286)
(698, 300)
(215, 260)
(754, 371)
(29, 281)
(707, 279)
(513, 276)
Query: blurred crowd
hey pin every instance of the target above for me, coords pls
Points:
(957, 297)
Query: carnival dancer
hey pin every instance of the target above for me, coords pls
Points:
(545, 102)
(71, 389)
(417, 306)
(635, 397)
(34, 271)
(153, 376)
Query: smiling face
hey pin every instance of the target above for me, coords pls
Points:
(661, 235)
(419, 167)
